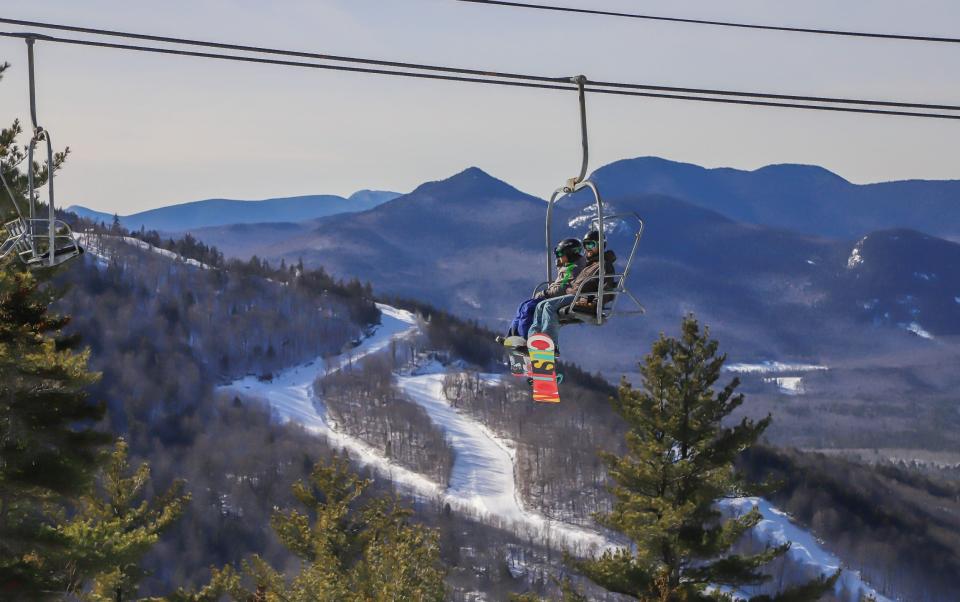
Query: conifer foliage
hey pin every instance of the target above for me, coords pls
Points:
(114, 529)
(351, 549)
(49, 450)
(679, 462)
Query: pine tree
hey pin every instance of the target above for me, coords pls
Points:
(49, 450)
(114, 529)
(351, 550)
(679, 462)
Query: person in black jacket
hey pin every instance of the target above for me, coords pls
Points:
(546, 318)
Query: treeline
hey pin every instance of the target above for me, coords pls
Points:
(238, 323)
(364, 403)
(357, 297)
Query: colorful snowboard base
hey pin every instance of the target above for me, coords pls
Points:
(543, 369)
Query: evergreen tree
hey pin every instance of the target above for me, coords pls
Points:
(351, 550)
(49, 450)
(112, 531)
(679, 462)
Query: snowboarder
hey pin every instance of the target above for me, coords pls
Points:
(570, 262)
(545, 317)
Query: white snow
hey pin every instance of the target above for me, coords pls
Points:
(776, 528)
(790, 385)
(482, 480)
(290, 396)
(772, 367)
(85, 240)
(164, 252)
(855, 258)
(917, 329)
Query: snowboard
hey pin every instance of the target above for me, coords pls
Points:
(516, 347)
(518, 363)
(543, 369)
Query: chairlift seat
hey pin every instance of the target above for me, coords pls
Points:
(33, 249)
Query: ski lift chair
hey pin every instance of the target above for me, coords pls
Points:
(583, 309)
(38, 242)
(596, 306)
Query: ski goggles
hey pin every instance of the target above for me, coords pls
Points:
(590, 244)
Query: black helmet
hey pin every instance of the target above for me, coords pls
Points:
(593, 235)
(570, 247)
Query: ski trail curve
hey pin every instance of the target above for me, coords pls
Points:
(482, 481)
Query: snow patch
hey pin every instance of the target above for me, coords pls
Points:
(86, 239)
(789, 385)
(772, 367)
(856, 258)
(917, 329)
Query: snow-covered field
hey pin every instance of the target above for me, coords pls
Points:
(482, 482)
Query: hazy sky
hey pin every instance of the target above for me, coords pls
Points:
(149, 130)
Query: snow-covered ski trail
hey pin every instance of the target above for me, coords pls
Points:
(483, 478)
(290, 397)
(482, 482)
(777, 528)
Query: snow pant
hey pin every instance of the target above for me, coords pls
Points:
(546, 318)
(523, 319)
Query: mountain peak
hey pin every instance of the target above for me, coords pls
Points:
(801, 171)
(372, 198)
(470, 183)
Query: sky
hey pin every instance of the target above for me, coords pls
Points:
(149, 131)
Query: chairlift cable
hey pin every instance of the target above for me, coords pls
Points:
(734, 24)
(457, 70)
(503, 82)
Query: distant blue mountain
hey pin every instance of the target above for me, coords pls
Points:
(802, 198)
(474, 245)
(220, 212)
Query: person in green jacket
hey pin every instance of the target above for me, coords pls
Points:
(570, 261)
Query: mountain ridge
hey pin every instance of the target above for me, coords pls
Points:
(221, 212)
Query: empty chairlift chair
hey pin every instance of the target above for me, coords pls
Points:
(38, 241)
